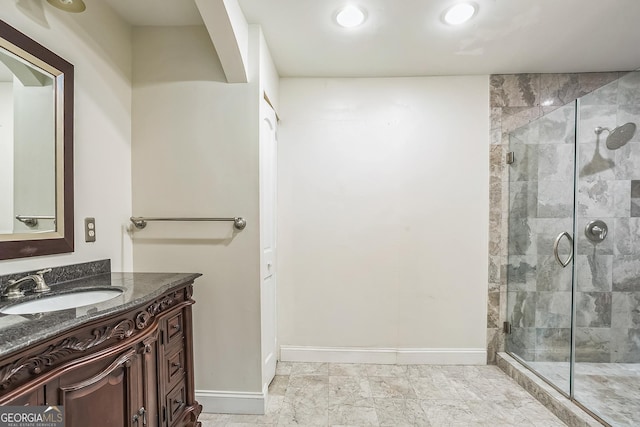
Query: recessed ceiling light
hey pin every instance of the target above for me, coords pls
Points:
(68, 5)
(459, 13)
(350, 17)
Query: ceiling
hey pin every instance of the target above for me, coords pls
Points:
(408, 38)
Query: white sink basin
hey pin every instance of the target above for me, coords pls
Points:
(62, 301)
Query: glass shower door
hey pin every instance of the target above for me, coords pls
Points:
(607, 330)
(540, 247)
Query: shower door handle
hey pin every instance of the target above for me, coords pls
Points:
(555, 248)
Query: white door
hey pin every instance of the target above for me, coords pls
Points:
(268, 174)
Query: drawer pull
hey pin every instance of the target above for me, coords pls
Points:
(176, 365)
(176, 326)
(179, 402)
(141, 413)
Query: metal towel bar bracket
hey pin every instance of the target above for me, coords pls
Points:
(239, 223)
(32, 220)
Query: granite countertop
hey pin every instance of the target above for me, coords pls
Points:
(20, 331)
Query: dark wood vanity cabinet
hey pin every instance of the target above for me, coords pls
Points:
(103, 392)
(133, 369)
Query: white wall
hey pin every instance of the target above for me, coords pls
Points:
(383, 212)
(6, 157)
(102, 131)
(34, 178)
(195, 154)
(269, 78)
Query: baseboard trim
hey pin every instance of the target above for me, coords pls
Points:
(232, 402)
(386, 356)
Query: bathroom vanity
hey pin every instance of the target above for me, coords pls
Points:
(127, 361)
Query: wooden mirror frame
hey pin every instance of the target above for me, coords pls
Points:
(28, 247)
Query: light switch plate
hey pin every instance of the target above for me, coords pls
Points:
(89, 229)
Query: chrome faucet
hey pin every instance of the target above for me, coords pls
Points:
(12, 291)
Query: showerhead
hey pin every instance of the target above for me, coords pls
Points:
(619, 136)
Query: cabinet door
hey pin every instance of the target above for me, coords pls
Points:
(106, 392)
(31, 398)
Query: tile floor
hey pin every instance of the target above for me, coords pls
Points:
(610, 390)
(331, 394)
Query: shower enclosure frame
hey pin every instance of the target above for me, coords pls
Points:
(576, 228)
(574, 250)
(570, 263)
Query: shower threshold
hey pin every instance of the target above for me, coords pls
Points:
(562, 407)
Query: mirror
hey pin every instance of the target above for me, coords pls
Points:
(36, 148)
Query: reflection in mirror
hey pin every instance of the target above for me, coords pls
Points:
(27, 147)
(36, 148)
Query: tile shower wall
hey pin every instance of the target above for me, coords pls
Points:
(608, 281)
(516, 100)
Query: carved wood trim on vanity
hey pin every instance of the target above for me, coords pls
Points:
(144, 317)
(27, 367)
(130, 336)
(124, 360)
(37, 364)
